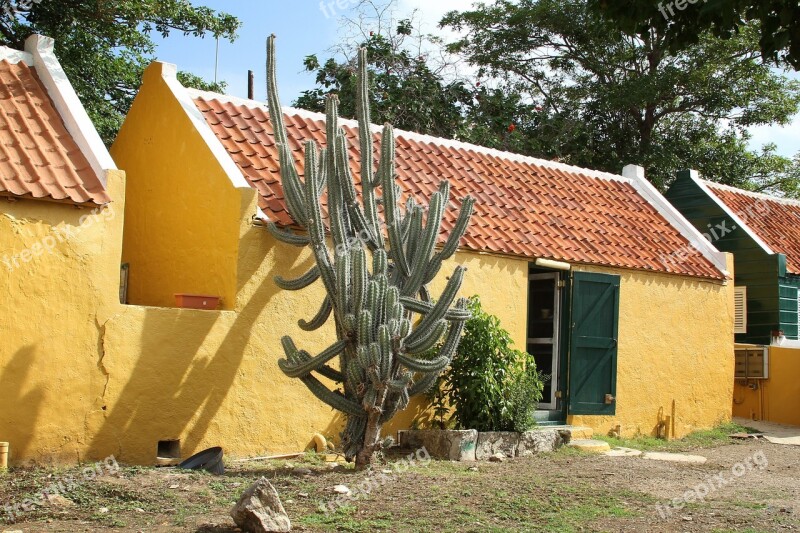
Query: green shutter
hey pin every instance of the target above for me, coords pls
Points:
(593, 344)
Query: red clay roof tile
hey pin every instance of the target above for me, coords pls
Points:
(776, 221)
(524, 208)
(38, 157)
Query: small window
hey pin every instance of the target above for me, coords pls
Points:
(740, 309)
(798, 313)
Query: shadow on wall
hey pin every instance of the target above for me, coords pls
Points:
(187, 364)
(14, 399)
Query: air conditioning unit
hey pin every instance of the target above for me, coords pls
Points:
(752, 363)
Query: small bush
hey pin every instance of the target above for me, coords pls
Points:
(490, 385)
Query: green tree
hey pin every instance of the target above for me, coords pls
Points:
(608, 99)
(104, 45)
(683, 21)
(405, 89)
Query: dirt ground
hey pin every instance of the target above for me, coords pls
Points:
(563, 491)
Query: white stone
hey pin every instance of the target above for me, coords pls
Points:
(623, 452)
(341, 489)
(674, 457)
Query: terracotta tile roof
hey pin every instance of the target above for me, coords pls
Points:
(523, 208)
(776, 221)
(38, 157)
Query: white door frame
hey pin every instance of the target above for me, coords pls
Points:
(551, 402)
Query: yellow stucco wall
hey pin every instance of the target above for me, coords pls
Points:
(88, 377)
(674, 354)
(57, 296)
(775, 399)
(188, 241)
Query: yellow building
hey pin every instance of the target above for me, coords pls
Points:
(578, 265)
(762, 233)
(60, 246)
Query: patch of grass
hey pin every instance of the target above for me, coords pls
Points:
(344, 518)
(707, 438)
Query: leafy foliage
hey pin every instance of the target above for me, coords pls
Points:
(104, 46)
(491, 386)
(613, 100)
(778, 22)
(405, 90)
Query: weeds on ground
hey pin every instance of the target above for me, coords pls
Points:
(707, 438)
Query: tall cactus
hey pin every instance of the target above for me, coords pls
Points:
(385, 319)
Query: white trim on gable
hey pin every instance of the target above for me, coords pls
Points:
(169, 73)
(738, 222)
(15, 56)
(68, 105)
(636, 176)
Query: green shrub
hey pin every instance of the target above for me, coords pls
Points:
(490, 385)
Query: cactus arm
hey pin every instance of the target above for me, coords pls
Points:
(360, 278)
(424, 308)
(454, 335)
(364, 124)
(423, 365)
(440, 309)
(334, 399)
(390, 209)
(423, 385)
(298, 283)
(425, 247)
(330, 373)
(368, 181)
(302, 368)
(460, 228)
(273, 99)
(286, 236)
(425, 342)
(320, 318)
(293, 188)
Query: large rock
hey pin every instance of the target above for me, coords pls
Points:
(450, 444)
(259, 510)
(493, 442)
(541, 440)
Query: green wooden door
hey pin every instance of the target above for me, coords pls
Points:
(593, 344)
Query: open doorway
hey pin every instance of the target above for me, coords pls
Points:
(544, 339)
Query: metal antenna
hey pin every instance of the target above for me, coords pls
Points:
(216, 62)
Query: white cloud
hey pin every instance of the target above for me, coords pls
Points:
(787, 138)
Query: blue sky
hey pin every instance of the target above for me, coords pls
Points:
(300, 32)
(307, 27)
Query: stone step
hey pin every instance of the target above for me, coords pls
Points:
(577, 432)
(590, 445)
(581, 432)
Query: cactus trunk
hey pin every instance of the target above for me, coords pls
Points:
(392, 341)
